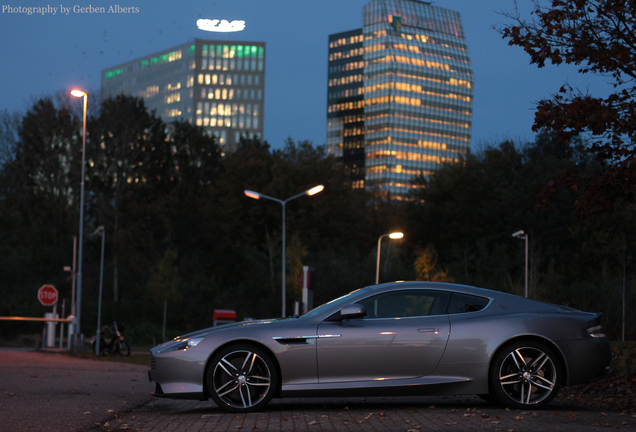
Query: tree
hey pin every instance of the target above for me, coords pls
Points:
(426, 268)
(129, 175)
(9, 127)
(39, 184)
(469, 210)
(164, 283)
(598, 36)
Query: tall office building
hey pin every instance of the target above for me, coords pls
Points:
(218, 85)
(400, 93)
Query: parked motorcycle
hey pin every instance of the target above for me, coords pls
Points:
(117, 344)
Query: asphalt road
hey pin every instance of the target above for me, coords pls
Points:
(42, 392)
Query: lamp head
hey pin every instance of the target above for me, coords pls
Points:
(252, 194)
(396, 235)
(78, 93)
(519, 234)
(315, 190)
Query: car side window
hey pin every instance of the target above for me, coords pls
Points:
(462, 303)
(408, 303)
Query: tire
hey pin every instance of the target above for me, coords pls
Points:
(525, 375)
(122, 348)
(242, 378)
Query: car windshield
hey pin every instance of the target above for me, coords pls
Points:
(335, 302)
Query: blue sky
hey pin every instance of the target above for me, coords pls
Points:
(44, 54)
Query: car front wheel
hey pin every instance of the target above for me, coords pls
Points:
(242, 378)
(525, 375)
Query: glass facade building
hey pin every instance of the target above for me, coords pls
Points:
(218, 85)
(400, 95)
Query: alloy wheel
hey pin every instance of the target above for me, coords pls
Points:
(528, 376)
(242, 379)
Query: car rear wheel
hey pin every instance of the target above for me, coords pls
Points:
(242, 378)
(525, 375)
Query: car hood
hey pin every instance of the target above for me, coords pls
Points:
(234, 325)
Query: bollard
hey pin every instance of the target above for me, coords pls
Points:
(77, 343)
(71, 329)
(50, 330)
(76, 340)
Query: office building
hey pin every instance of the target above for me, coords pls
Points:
(218, 85)
(400, 93)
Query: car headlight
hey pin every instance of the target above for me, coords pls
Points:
(194, 341)
(596, 331)
(183, 343)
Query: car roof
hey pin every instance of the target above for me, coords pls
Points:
(496, 296)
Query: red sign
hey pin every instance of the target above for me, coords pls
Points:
(47, 294)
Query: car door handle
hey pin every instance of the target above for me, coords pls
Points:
(428, 330)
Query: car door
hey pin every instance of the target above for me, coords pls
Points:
(403, 335)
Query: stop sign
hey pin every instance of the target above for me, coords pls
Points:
(47, 294)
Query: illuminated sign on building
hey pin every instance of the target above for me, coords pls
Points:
(223, 26)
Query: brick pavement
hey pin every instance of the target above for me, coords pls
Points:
(409, 414)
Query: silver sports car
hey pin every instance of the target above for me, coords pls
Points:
(403, 338)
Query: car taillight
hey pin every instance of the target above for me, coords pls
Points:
(596, 331)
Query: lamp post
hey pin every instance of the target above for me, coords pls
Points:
(80, 93)
(100, 231)
(522, 235)
(256, 195)
(394, 235)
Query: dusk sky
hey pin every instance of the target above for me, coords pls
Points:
(44, 54)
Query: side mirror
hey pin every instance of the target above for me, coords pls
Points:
(353, 311)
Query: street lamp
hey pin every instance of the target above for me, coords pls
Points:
(522, 235)
(395, 235)
(82, 94)
(256, 195)
(100, 231)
